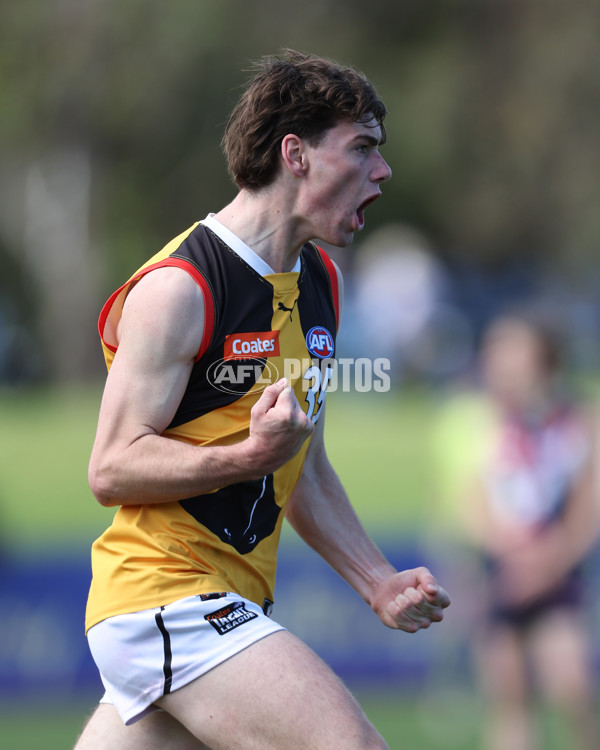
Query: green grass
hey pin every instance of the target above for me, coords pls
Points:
(379, 444)
(41, 729)
(448, 721)
(45, 441)
(376, 442)
(403, 722)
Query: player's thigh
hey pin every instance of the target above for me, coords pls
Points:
(562, 657)
(276, 694)
(501, 661)
(156, 731)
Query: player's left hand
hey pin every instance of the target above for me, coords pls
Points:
(410, 600)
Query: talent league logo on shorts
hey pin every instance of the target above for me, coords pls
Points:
(229, 618)
(250, 345)
(319, 342)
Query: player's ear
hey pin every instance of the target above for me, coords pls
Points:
(293, 155)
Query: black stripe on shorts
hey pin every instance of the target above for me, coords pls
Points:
(167, 665)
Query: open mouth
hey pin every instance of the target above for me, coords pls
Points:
(360, 211)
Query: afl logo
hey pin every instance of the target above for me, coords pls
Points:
(319, 342)
(238, 377)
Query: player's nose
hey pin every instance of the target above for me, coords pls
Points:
(382, 171)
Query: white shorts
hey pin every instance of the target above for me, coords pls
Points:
(145, 655)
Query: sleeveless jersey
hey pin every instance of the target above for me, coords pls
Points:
(258, 328)
(533, 466)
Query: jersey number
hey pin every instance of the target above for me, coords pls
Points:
(318, 382)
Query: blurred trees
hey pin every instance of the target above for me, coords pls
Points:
(112, 115)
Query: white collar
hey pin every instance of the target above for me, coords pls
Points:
(245, 252)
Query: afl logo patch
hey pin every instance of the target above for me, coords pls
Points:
(319, 342)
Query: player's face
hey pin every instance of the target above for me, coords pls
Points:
(345, 173)
(513, 364)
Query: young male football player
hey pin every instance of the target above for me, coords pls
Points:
(203, 460)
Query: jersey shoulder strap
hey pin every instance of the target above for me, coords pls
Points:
(332, 275)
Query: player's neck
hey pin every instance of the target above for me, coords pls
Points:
(264, 222)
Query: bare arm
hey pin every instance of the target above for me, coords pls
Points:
(580, 524)
(321, 513)
(132, 462)
(493, 534)
(532, 563)
(539, 567)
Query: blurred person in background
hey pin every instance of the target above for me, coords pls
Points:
(533, 514)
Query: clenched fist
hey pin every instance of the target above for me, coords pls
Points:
(410, 600)
(278, 428)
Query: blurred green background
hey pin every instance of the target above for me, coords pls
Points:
(385, 451)
(393, 455)
(112, 115)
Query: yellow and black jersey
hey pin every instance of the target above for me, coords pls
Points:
(259, 326)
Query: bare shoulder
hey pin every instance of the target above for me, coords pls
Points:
(166, 305)
(165, 287)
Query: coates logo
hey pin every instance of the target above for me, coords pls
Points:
(319, 342)
(238, 377)
(249, 345)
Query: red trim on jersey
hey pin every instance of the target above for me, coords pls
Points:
(104, 316)
(333, 278)
(209, 307)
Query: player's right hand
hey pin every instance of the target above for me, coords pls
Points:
(278, 428)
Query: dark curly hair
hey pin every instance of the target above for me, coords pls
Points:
(292, 93)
